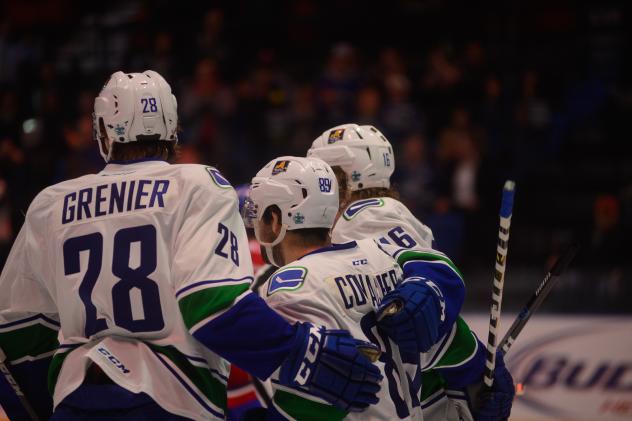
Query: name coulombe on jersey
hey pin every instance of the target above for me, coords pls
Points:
(113, 198)
(355, 289)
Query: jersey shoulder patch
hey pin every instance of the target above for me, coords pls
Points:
(288, 278)
(218, 178)
(358, 206)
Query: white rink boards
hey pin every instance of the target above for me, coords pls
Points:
(575, 367)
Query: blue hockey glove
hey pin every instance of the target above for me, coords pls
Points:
(411, 315)
(496, 403)
(329, 364)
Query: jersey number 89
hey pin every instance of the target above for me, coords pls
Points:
(128, 277)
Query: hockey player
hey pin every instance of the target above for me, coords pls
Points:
(363, 158)
(292, 205)
(363, 161)
(143, 272)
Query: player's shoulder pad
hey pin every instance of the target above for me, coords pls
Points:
(359, 205)
(203, 175)
(41, 203)
(288, 278)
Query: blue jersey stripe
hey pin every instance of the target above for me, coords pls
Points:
(332, 247)
(29, 319)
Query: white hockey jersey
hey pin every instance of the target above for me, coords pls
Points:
(129, 261)
(381, 217)
(396, 229)
(340, 286)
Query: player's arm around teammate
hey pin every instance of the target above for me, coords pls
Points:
(191, 268)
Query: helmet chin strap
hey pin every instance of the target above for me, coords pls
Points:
(268, 246)
(110, 144)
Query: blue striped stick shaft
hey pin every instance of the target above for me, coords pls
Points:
(506, 209)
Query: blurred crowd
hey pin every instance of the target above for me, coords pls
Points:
(468, 96)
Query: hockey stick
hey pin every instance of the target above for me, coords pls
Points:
(506, 209)
(538, 297)
(16, 388)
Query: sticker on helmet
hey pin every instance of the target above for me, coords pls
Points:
(355, 176)
(287, 279)
(324, 184)
(299, 218)
(218, 178)
(280, 166)
(336, 135)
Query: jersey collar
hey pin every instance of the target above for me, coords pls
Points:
(119, 166)
(133, 161)
(332, 247)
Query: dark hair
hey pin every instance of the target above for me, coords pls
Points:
(343, 185)
(374, 192)
(161, 149)
(145, 146)
(306, 236)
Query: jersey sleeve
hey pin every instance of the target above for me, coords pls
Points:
(288, 293)
(434, 266)
(29, 322)
(463, 362)
(212, 273)
(211, 265)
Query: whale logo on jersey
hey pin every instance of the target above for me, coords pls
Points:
(357, 207)
(287, 279)
(218, 178)
(280, 166)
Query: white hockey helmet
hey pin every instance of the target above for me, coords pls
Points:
(304, 189)
(132, 105)
(363, 153)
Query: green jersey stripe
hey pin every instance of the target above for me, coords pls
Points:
(429, 257)
(202, 304)
(30, 341)
(431, 383)
(462, 347)
(201, 377)
(55, 367)
(304, 409)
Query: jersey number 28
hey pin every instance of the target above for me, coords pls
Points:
(129, 277)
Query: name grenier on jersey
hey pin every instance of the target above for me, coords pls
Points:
(113, 198)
